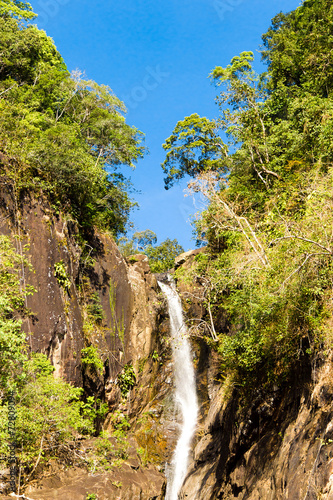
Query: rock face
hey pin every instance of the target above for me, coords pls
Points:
(184, 257)
(127, 484)
(56, 325)
(125, 293)
(129, 319)
(279, 446)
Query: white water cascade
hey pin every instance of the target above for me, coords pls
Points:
(185, 391)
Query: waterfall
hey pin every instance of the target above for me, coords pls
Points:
(185, 391)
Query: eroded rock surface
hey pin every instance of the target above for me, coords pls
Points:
(125, 484)
(278, 446)
(133, 329)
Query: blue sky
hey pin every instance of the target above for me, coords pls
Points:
(156, 56)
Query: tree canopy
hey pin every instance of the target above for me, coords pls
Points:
(16, 8)
(161, 257)
(65, 134)
(193, 147)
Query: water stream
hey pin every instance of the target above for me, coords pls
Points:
(185, 391)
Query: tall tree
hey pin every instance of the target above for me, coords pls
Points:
(193, 147)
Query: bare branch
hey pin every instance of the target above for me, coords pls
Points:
(201, 324)
(9, 88)
(213, 332)
(255, 167)
(207, 183)
(269, 172)
(38, 459)
(296, 271)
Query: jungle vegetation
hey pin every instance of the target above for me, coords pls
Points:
(60, 133)
(265, 168)
(161, 257)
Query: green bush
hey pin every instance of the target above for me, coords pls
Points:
(126, 379)
(60, 273)
(95, 308)
(49, 414)
(91, 358)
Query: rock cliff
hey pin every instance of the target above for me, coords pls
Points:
(275, 444)
(106, 302)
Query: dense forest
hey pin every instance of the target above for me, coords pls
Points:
(267, 269)
(264, 166)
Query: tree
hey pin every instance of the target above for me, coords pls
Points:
(144, 239)
(245, 124)
(50, 413)
(65, 134)
(268, 263)
(193, 147)
(162, 257)
(298, 49)
(137, 244)
(27, 54)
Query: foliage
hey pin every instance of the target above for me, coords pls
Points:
(12, 306)
(90, 357)
(126, 379)
(299, 49)
(102, 444)
(121, 427)
(60, 273)
(93, 408)
(137, 244)
(16, 8)
(267, 272)
(119, 421)
(162, 257)
(95, 308)
(49, 414)
(143, 454)
(126, 246)
(193, 147)
(144, 238)
(155, 356)
(62, 133)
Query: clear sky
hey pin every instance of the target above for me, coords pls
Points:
(156, 56)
